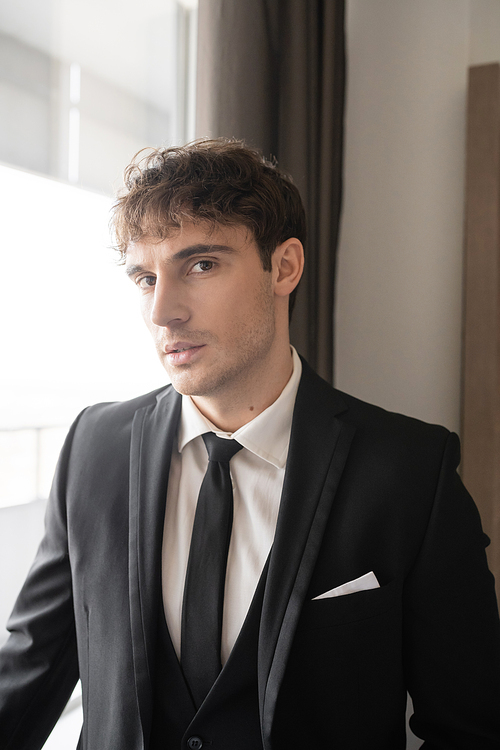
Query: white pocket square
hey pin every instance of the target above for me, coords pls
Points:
(363, 583)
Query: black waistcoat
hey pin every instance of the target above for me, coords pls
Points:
(228, 719)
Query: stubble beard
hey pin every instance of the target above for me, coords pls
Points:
(231, 375)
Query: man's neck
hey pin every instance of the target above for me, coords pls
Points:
(231, 410)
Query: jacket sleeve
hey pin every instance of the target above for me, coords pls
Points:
(452, 628)
(38, 664)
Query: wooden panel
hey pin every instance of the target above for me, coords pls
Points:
(481, 384)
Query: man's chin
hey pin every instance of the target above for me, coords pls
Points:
(185, 384)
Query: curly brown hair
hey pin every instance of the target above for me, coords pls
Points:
(219, 182)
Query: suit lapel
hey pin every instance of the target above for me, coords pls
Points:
(153, 433)
(319, 445)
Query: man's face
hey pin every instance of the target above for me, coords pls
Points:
(209, 306)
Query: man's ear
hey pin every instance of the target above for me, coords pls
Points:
(288, 265)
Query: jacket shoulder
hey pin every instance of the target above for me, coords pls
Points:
(100, 436)
(378, 432)
(123, 411)
(362, 413)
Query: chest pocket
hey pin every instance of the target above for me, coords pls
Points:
(340, 610)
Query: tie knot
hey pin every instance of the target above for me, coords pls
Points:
(220, 449)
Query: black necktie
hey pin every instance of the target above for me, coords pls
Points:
(206, 571)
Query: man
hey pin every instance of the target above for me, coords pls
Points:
(346, 567)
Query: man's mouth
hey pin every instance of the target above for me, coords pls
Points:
(181, 346)
(182, 353)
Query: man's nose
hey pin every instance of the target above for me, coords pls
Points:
(169, 305)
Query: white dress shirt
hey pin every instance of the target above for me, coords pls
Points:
(257, 473)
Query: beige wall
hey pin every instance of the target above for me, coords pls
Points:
(399, 298)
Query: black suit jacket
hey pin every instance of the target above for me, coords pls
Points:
(364, 490)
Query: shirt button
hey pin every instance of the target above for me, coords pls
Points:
(195, 743)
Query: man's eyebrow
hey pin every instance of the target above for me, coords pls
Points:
(186, 252)
(200, 249)
(132, 270)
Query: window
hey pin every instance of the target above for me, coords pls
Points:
(71, 328)
(84, 85)
(87, 83)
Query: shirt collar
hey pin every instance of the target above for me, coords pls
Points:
(267, 435)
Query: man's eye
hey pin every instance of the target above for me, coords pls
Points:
(203, 265)
(146, 281)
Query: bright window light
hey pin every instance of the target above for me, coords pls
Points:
(71, 330)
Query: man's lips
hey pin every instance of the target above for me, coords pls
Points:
(180, 346)
(182, 353)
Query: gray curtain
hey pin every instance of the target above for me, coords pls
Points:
(273, 73)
